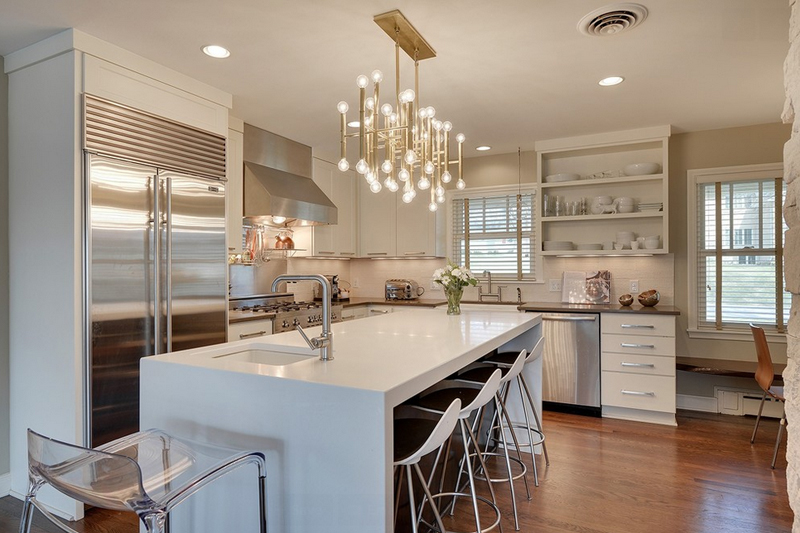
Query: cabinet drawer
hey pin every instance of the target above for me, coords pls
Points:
(638, 364)
(249, 329)
(633, 324)
(636, 391)
(638, 344)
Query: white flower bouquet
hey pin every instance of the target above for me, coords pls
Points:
(453, 279)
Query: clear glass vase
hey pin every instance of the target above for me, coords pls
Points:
(454, 295)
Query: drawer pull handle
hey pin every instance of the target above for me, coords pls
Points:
(379, 312)
(561, 318)
(637, 393)
(377, 253)
(325, 252)
(632, 345)
(347, 253)
(638, 365)
(413, 253)
(639, 326)
(254, 334)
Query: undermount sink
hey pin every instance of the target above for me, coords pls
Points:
(264, 357)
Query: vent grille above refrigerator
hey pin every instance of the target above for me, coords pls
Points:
(117, 130)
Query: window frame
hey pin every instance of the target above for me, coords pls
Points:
(502, 190)
(697, 177)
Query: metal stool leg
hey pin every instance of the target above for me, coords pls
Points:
(778, 440)
(758, 417)
(536, 417)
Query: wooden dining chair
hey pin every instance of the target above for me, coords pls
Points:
(765, 374)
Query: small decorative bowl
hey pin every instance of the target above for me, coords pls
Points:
(649, 298)
(626, 299)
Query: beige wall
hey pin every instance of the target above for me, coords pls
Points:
(747, 145)
(4, 408)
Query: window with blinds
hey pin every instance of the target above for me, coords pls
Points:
(495, 233)
(740, 254)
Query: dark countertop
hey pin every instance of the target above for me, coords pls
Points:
(558, 307)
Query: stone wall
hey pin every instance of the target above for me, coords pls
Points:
(791, 160)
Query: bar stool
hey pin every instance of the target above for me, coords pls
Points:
(415, 438)
(472, 399)
(535, 435)
(149, 473)
(478, 375)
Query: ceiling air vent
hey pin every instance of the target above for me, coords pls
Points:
(613, 19)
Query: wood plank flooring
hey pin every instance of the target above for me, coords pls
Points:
(613, 476)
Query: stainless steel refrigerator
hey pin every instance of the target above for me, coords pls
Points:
(155, 277)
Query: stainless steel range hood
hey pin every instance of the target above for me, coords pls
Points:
(277, 182)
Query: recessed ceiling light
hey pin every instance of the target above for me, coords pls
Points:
(354, 124)
(483, 148)
(216, 51)
(611, 80)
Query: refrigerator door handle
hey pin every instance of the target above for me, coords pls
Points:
(168, 253)
(156, 225)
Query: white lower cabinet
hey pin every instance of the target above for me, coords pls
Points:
(249, 329)
(638, 367)
(351, 313)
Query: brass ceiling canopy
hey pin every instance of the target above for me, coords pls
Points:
(397, 26)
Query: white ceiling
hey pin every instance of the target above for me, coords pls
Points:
(508, 73)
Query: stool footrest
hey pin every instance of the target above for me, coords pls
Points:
(494, 507)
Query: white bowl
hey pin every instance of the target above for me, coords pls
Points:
(640, 169)
(625, 208)
(650, 245)
(562, 176)
(604, 200)
(625, 200)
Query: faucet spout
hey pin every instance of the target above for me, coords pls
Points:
(323, 343)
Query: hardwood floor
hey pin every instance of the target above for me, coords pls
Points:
(613, 476)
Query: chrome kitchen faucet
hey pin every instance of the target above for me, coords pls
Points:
(323, 343)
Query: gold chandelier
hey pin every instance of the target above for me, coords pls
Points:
(405, 142)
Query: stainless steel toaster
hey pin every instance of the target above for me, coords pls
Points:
(403, 289)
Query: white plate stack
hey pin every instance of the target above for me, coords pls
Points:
(652, 206)
(558, 246)
(624, 238)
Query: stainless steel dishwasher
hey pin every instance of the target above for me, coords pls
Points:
(571, 362)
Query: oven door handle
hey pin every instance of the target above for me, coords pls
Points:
(582, 318)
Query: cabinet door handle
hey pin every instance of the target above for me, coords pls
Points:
(637, 326)
(637, 365)
(379, 312)
(254, 334)
(413, 253)
(347, 253)
(637, 393)
(377, 253)
(323, 252)
(632, 345)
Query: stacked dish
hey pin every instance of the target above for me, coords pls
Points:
(641, 169)
(625, 204)
(590, 246)
(652, 242)
(558, 246)
(562, 176)
(624, 238)
(651, 206)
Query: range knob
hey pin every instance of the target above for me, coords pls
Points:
(285, 324)
(295, 322)
(310, 319)
(333, 316)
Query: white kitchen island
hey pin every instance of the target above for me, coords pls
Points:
(325, 427)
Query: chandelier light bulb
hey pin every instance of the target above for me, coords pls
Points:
(393, 186)
(367, 121)
(447, 125)
(461, 138)
(342, 107)
(393, 118)
(343, 165)
(371, 177)
(387, 167)
(440, 199)
(403, 175)
(410, 157)
(429, 168)
(413, 193)
(431, 112)
(375, 186)
(432, 207)
(424, 183)
(362, 167)
(437, 124)
(446, 177)
(377, 76)
(460, 184)
(407, 197)
(362, 81)
(386, 110)
(439, 190)
(370, 103)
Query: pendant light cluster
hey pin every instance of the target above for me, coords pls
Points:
(405, 144)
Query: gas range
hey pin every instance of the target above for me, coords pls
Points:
(287, 313)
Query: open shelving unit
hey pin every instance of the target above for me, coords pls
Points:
(608, 154)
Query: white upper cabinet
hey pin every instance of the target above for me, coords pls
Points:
(593, 166)
(336, 240)
(391, 228)
(233, 191)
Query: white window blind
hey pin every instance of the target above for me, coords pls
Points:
(740, 254)
(495, 233)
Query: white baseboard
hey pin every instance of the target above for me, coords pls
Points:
(5, 484)
(706, 404)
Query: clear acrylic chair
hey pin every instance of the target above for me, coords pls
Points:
(149, 473)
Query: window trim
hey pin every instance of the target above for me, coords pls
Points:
(696, 177)
(499, 190)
